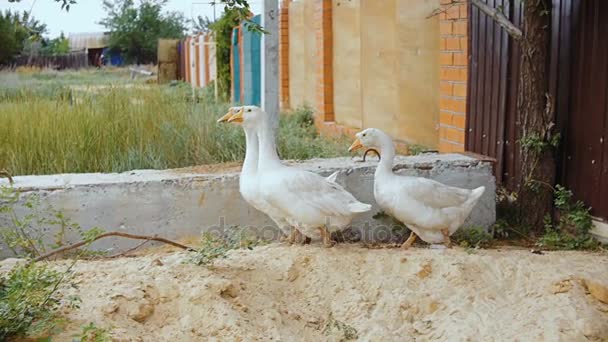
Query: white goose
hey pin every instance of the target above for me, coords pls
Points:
(431, 210)
(248, 186)
(309, 202)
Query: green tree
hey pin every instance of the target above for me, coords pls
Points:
(222, 29)
(56, 46)
(135, 30)
(15, 31)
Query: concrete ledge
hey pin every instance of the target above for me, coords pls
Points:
(182, 203)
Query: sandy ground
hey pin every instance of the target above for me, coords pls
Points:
(311, 293)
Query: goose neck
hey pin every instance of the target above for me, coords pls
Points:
(268, 150)
(250, 164)
(387, 152)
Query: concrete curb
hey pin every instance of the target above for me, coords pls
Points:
(177, 204)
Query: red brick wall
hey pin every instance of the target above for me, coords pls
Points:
(454, 59)
(284, 54)
(324, 72)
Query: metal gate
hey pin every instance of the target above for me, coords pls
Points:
(578, 84)
(585, 160)
(492, 105)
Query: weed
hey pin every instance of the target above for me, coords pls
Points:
(473, 237)
(298, 138)
(215, 247)
(344, 331)
(93, 333)
(571, 231)
(416, 149)
(109, 125)
(29, 300)
(398, 229)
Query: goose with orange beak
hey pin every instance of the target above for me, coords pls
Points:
(248, 179)
(315, 205)
(431, 210)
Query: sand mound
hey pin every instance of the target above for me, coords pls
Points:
(311, 293)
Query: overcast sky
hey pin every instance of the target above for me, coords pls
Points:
(84, 15)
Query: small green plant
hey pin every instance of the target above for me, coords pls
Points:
(24, 234)
(214, 246)
(93, 333)
(536, 144)
(574, 222)
(29, 300)
(344, 331)
(473, 237)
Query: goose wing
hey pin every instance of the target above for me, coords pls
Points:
(301, 193)
(435, 194)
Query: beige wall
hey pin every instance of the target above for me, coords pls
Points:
(302, 50)
(386, 67)
(347, 62)
(418, 45)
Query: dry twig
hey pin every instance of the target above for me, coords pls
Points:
(119, 234)
(4, 173)
(500, 18)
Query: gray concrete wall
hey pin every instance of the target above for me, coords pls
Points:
(177, 204)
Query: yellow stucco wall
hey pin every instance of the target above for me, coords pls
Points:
(418, 46)
(386, 67)
(347, 62)
(302, 51)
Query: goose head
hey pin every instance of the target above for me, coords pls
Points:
(370, 138)
(227, 116)
(248, 116)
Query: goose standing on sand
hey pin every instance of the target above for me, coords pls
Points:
(248, 186)
(315, 205)
(431, 210)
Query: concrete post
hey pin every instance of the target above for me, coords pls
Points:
(270, 60)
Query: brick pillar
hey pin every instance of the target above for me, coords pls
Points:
(206, 49)
(284, 54)
(241, 65)
(324, 69)
(454, 58)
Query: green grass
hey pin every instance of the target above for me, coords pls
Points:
(96, 121)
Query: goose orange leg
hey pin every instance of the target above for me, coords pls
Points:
(410, 240)
(446, 238)
(327, 242)
(294, 236)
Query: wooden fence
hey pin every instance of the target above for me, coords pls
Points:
(74, 60)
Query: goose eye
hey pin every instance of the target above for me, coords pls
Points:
(249, 110)
(364, 134)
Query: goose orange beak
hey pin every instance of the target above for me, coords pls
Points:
(225, 117)
(356, 145)
(238, 117)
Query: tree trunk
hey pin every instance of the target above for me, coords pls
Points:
(535, 117)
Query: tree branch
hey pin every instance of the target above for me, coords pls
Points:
(500, 18)
(104, 235)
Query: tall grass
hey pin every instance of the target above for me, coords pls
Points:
(52, 128)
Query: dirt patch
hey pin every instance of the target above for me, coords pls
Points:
(278, 292)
